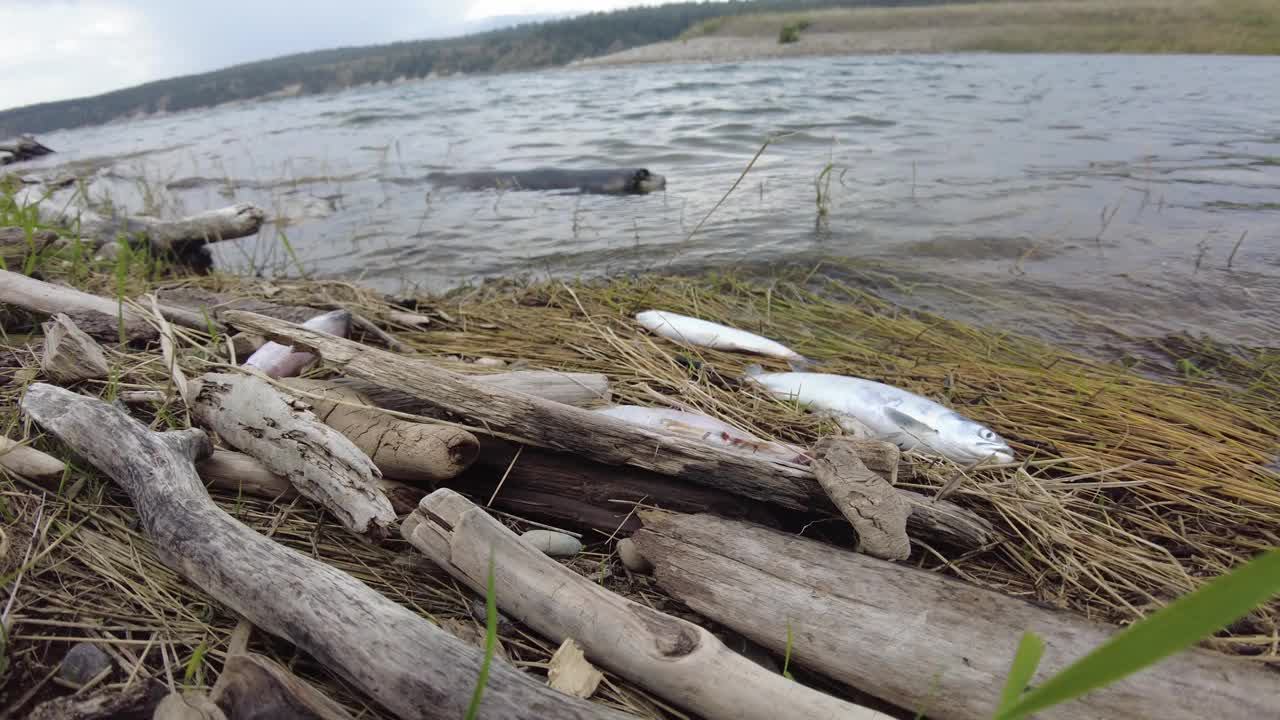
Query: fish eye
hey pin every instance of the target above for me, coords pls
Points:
(987, 435)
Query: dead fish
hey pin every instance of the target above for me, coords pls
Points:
(278, 361)
(704, 333)
(707, 429)
(893, 414)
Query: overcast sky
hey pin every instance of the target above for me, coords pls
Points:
(58, 49)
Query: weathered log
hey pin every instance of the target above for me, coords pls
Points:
(585, 390)
(876, 511)
(254, 686)
(15, 246)
(563, 488)
(98, 316)
(400, 659)
(176, 237)
(30, 463)
(552, 425)
(409, 451)
(239, 473)
(70, 355)
(674, 658)
(252, 416)
(920, 640)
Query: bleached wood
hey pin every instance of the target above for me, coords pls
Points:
(571, 673)
(30, 463)
(179, 236)
(322, 464)
(608, 440)
(409, 451)
(918, 639)
(673, 658)
(70, 355)
(586, 390)
(401, 660)
(876, 511)
(238, 473)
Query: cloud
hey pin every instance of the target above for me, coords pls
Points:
(71, 48)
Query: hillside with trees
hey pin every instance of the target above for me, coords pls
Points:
(524, 47)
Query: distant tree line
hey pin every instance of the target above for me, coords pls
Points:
(529, 46)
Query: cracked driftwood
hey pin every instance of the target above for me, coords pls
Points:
(403, 661)
(321, 463)
(410, 451)
(70, 355)
(539, 422)
(918, 639)
(876, 511)
(673, 658)
(239, 473)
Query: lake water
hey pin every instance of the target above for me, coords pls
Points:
(1046, 194)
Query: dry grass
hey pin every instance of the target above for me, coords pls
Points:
(1134, 490)
(1164, 26)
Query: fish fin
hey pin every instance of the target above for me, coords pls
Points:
(908, 423)
(753, 370)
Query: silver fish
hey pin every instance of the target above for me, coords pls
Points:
(705, 428)
(893, 414)
(704, 333)
(277, 361)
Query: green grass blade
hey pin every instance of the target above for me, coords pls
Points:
(1178, 626)
(490, 641)
(1025, 662)
(196, 662)
(786, 660)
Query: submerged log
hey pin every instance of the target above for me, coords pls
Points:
(674, 658)
(254, 417)
(400, 659)
(542, 423)
(920, 640)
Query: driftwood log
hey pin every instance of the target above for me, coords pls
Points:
(235, 472)
(400, 659)
(674, 658)
(178, 238)
(98, 316)
(874, 508)
(15, 246)
(585, 390)
(136, 702)
(920, 640)
(542, 423)
(70, 355)
(409, 451)
(321, 463)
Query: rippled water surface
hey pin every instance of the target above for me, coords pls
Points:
(1027, 191)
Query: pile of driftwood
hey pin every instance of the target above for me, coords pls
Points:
(22, 149)
(392, 444)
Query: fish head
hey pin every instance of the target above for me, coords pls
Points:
(975, 441)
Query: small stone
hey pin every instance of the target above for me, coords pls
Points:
(555, 544)
(490, 362)
(631, 557)
(245, 344)
(83, 662)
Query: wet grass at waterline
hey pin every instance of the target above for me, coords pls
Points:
(1132, 490)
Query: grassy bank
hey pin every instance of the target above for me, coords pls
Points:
(1131, 491)
(1087, 26)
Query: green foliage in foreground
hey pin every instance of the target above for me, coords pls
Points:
(1176, 627)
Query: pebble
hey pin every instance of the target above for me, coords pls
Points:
(555, 544)
(83, 663)
(490, 362)
(631, 557)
